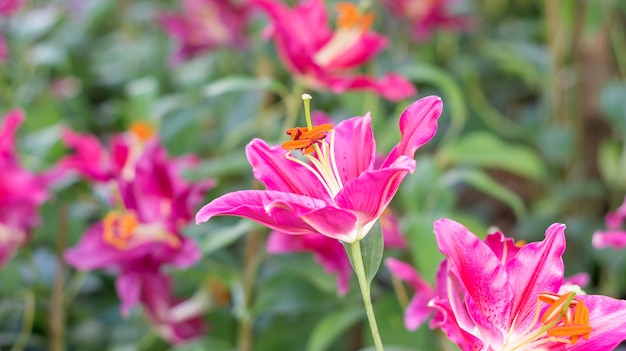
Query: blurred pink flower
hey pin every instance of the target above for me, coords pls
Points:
(494, 295)
(323, 59)
(425, 16)
(21, 192)
(615, 234)
(327, 196)
(144, 232)
(8, 7)
(330, 253)
(205, 25)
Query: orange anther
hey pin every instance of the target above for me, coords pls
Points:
(304, 139)
(573, 331)
(142, 130)
(117, 228)
(350, 17)
(556, 309)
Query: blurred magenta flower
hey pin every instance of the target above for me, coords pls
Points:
(330, 253)
(94, 162)
(144, 232)
(615, 234)
(324, 59)
(327, 195)
(21, 192)
(425, 16)
(8, 7)
(495, 295)
(205, 25)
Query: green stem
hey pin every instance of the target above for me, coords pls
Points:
(359, 269)
(27, 322)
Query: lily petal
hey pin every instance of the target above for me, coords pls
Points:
(370, 193)
(482, 275)
(536, 268)
(289, 213)
(608, 320)
(418, 124)
(354, 158)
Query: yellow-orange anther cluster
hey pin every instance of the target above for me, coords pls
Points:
(350, 17)
(304, 139)
(118, 228)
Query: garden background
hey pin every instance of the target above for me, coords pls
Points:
(532, 132)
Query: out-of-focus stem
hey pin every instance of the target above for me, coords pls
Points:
(27, 321)
(252, 257)
(57, 305)
(359, 269)
(292, 106)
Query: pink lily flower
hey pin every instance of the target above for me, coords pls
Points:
(426, 16)
(325, 195)
(146, 230)
(615, 235)
(205, 25)
(321, 58)
(21, 192)
(492, 295)
(330, 253)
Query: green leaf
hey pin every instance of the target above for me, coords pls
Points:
(371, 252)
(221, 238)
(483, 182)
(332, 326)
(238, 84)
(486, 150)
(609, 155)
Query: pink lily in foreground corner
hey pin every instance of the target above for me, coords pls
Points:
(615, 235)
(321, 58)
(427, 15)
(338, 192)
(492, 295)
(330, 253)
(21, 192)
(205, 25)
